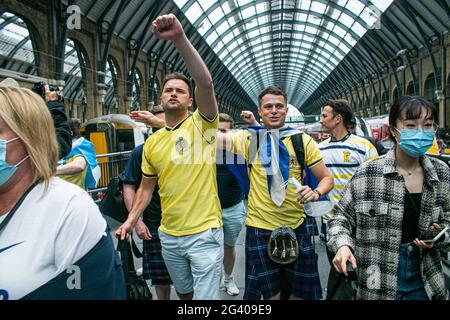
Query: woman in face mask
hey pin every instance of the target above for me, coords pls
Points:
(389, 207)
(53, 239)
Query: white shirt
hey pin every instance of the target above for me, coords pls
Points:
(48, 233)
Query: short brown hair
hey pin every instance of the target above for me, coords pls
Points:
(179, 76)
(275, 90)
(223, 117)
(342, 107)
(75, 125)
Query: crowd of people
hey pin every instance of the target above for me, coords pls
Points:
(194, 184)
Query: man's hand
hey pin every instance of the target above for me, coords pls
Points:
(51, 95)
(148, 118)
(248, 117)
(167, 27)
(142, 230)
(343, 255)
(306, 194)
(124, 230)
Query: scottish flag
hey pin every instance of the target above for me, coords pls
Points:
(86, 148)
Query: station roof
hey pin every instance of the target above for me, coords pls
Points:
(313, 49)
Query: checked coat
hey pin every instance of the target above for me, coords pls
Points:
(368, 219)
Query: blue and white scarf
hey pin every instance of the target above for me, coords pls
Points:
(274, 157)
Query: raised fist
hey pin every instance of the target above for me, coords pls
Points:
(248, 117)
(167, 27)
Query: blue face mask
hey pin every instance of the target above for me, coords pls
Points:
(6, 170)
(415, 143)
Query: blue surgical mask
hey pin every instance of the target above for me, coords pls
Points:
(6, 170)
(415, 143)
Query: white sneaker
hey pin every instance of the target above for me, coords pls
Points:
(230, 287)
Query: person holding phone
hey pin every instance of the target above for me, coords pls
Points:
(390, 207)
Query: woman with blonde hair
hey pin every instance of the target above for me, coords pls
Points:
(54, 243)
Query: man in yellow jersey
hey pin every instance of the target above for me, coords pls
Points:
(342, 153)
(181, 159)
(273, 203)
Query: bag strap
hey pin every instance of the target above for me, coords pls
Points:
(135, 249)
(297, 143)
(123, 246)
(252, 155)
(17, 205)
(335, 287)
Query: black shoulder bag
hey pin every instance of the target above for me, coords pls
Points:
(112, 204)
(137, 288)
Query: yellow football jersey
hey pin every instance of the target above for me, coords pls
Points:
(184, 160)
(262, 212)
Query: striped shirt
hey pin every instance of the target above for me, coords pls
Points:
(343, 157)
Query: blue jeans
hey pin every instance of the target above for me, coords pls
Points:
(409, 283)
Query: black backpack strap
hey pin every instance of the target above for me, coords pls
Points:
(124, 248)
(135, 249)
(252, 151)
(297, 143)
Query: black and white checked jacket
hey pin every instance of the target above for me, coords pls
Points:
(368, 219)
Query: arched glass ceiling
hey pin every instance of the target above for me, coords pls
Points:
(292, 43)
(71, 60)
(136, 92)
(111, 84)
(16, 46)
(74, 66)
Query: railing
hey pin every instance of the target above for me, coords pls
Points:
(111, 165)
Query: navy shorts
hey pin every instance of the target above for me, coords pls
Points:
(153, 266)
(262, 275)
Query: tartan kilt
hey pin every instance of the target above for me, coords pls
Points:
(262, 275)
(153, 265)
